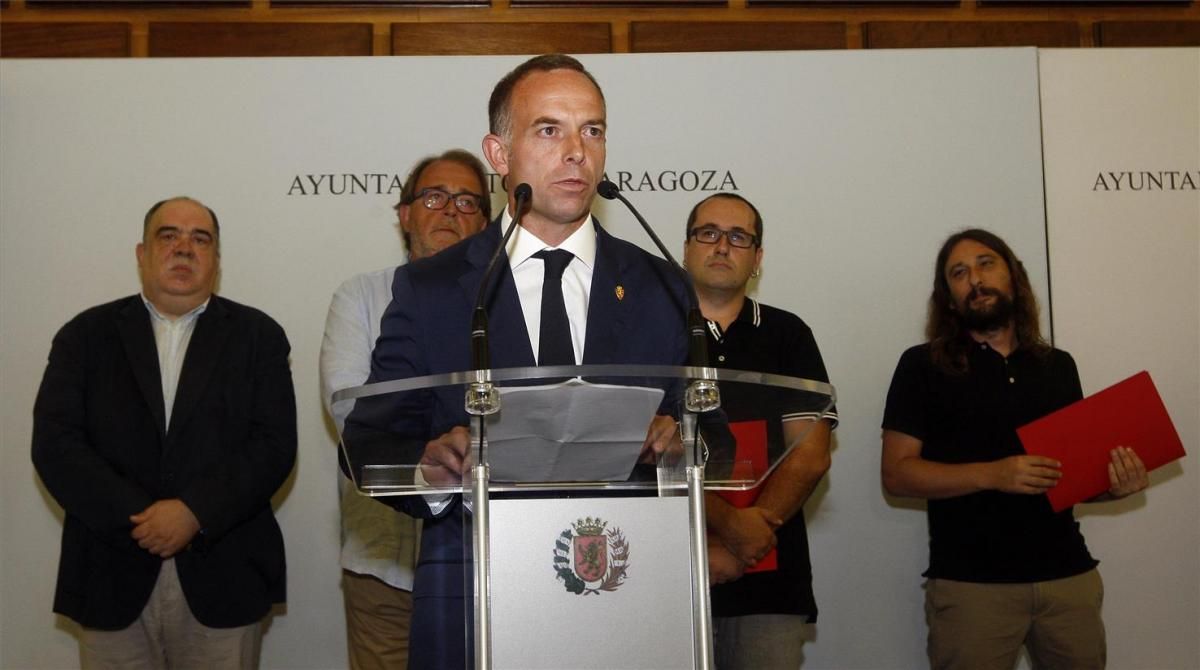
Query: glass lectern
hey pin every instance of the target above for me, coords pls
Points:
(572, 537)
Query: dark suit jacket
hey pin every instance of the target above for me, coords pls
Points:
(426, 330)
(102, 449)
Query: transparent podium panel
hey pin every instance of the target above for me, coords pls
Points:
(762, 418)
(572, 427)
(568, 501)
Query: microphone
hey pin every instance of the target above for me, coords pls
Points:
(702, 395)
(482, 398)
(522, 194)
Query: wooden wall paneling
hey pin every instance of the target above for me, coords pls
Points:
(580, 4)
(932, 34)
(101, 5)
(171, 39)
(447, 39)
(597, 26)
(849, 3)
(1080, 3)
(1148, 33)
(688, 36)
(376, 4)
(64, 40)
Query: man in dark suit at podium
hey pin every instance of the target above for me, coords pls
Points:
(565, 292)
(164, 424)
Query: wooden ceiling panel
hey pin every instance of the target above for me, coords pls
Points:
(342, 4)
(582, 4)
(1052, 4)
(848, 3)
(933, 34)
(64, 40)
(1148, 34)
(133, 4)
(259, 39)
(448, 39)
(663, 36)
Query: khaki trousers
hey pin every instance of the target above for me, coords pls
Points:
(983, 626)
(167, 637)
(378, 620)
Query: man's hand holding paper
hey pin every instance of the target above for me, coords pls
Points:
(444, 459)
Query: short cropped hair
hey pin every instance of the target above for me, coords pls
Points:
(158, 205)
(758, 222)
(500, 104)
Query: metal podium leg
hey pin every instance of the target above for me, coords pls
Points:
(481, 551)
(702, 635)
(701, 611)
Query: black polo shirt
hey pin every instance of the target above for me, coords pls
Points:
(989, 536)
(765, 339)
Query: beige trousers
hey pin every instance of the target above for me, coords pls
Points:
(983, 626)
(167, 637)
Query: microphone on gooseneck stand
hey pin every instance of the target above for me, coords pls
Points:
(482, 398)
(702, 395)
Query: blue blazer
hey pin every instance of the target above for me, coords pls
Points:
(426, 330)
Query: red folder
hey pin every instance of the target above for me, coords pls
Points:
(1081, 435)
(750, 460)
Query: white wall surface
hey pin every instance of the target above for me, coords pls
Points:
(1125, 275)
(861, 162)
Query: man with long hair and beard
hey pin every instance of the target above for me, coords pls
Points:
(1005, 570)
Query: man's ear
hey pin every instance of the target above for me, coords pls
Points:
(495, 150)
(404, 214)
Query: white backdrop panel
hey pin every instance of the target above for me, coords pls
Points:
(1126, 283)
(861, 163)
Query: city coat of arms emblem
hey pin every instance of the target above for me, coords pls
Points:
(590, 557)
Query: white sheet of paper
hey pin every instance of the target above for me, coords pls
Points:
(572, 431)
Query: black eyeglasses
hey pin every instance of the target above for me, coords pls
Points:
(737, 238)
(436, 198)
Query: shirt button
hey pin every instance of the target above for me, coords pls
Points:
(721, 358)
(1011, 380)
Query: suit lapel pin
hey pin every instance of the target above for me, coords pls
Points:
(620, 291)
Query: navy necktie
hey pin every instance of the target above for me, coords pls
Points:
(554, 336)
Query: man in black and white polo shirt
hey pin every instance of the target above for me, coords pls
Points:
(759, 615)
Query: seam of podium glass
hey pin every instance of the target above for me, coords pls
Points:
(387, 425)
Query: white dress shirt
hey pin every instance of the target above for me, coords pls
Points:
(528, 273)
(171, 337)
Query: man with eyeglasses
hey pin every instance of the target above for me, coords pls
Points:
(164, 424)
(761, 604)
(444, 200)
